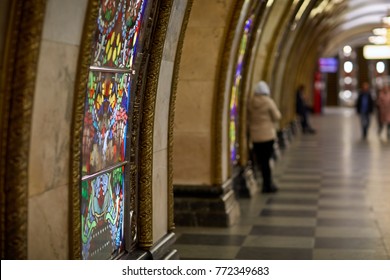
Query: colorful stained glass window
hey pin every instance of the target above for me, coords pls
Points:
(236, 91)
(118, 27)
(102, 206)
(106, 118)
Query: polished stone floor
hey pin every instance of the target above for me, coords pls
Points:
(333, 203)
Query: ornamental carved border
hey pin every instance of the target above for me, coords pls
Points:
(223, 79)
(172, 102)
(261, 14)
(21, 56)
(77, 125)
(145, 208)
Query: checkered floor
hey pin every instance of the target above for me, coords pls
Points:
(333, 203)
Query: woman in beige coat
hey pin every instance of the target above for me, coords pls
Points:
(263, 115)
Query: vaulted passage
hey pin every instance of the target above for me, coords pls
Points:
(130, 129)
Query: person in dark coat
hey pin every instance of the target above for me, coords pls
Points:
(364, 107)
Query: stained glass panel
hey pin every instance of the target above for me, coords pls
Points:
(236, 91)
(106, 117)
(102, 213)
(105, 120)
(118, 27)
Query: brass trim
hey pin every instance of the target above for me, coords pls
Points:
(252, 70)
(172, 102)
(84, 60)
(100, 172)
(274, 59)
(292, 45)
(145, 207)
(250, 56)
(21, 54)
(221, 80)
(276, 38)
(111, 69)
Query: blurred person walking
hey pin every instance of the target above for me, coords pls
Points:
(383, 103)
(364, 107)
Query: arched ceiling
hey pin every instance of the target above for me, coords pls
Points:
(354, 24)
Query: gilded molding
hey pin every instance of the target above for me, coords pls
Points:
(76, 129)
(291, 63)
(223, 64)
(172, 102)
(133, 165)
(250, 57)
(276, 37)
(134, 153)
(21, 56)
(145, 207)
(281, 51)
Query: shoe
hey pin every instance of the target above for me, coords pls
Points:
(273, 189)
(310, 130)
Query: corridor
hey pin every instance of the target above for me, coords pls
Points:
(333, 202)
(124, 126)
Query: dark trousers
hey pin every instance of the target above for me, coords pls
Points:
(365, 123)
(263, 152)
(304, 122)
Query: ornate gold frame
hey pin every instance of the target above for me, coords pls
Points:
(250, 56)
(76, 129)
(146, 135)
(172, 102)
(145, 203)
(21, 55)
(223, 65)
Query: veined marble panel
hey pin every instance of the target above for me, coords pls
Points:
(201, 53)
(174, 28)
(51, 120)
(192, 158)
(194, 106)
(161, 113)
(206, 13)
(160, 194)
(64, 21)
(48, 225)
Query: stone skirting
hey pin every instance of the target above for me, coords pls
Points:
(208, 206)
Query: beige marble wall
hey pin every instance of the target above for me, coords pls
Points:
(161, 122)
(50, 135)
(198, 76)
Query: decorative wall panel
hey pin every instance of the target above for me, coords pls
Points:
(105, 120)
(102, 210)
(237, 83)
(106, 187)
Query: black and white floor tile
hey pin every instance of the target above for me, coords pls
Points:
(333, 203)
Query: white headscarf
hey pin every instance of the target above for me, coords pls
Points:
(262, 88)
